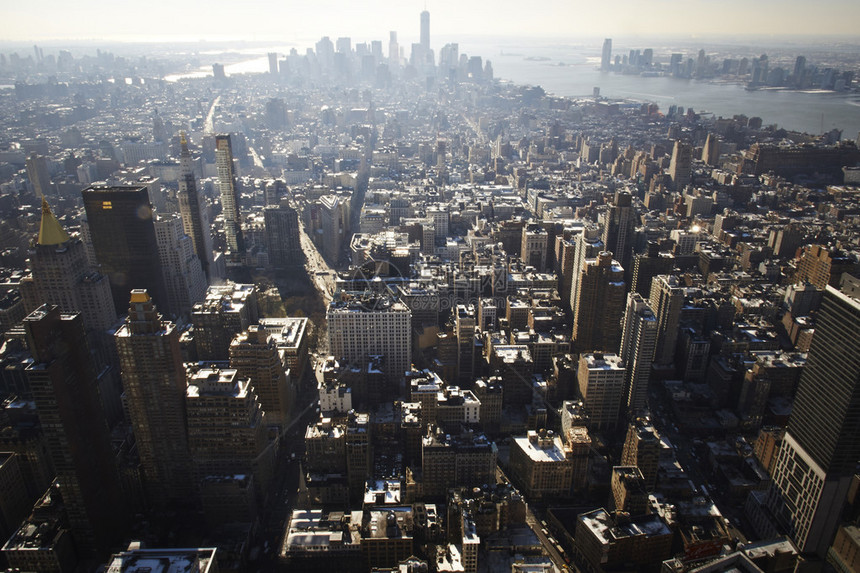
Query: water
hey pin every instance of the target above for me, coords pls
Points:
(809, 112)
(572, 71)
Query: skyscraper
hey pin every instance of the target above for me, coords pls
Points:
(153, 378)
(599, 305)
(273, 63)
(371, 325)
(65, 390)
(228, 186)
(818, 458)
(425, 31)
(681, 164)
(226, 426)
(601, 385)
(195, 219)
(282, 236)
(123, 237)
(619, 222)
(254, 354)
(606, 56)
(393, 50)
(588, 245)
(61, 275)
(183, 275)
(667, 299)
(226, 311)
(638, 343)
(37, 172)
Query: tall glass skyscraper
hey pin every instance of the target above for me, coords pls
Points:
(121, 226)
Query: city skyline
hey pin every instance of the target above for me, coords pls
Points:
(405, 304)
(265, 22)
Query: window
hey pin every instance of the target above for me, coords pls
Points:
(107, 205)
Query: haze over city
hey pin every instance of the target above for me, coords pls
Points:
(430, 287)
(218, 20)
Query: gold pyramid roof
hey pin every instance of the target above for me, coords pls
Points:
(51, 232)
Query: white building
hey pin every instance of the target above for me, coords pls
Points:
(371, 325)
(601, 384)
(638, 345)
(183, 274)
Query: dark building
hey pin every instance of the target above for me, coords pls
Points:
(153, 378)
(121, 226)
(65, 390)
(819, 454)
(618, 227)
(282, 236)
(600, 297)
(798, 159)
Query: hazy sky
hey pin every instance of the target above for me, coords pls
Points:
(293, 21)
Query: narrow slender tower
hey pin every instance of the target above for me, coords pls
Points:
(229, 194)
(195, 221)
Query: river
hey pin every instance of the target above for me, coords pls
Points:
(572, 71)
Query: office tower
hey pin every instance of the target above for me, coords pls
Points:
(711, 151)
(273, 63)
(465, 327)
(514, 366)
(818, 457)
(606, 56)
(618, 225)
(359, 455)
(667, 299)
(183, 274)
(334, 219)
(37, 173)
(61, 275)
(195, 217)
(629, 493)
(542, 465)
(291, 337)
(226, 311)
(368, 325)
(638, 343)
(642, 449)
(124, 242)
(601, 385)
(227, 432)
(393, 50)
(153, 378)
(343, 45)
(255, 355)
(534, 246)
(425, 31)
(681, 164)
(15, 503)
(647, 266)
(448, 460)
(820, 266)
(600, 295)
(588, 245)
(282, 236)
(65, 390)
(218, 72)
(43, 541)
(229, 187)
(799, 71)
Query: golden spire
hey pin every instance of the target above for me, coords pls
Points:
(50, 231)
